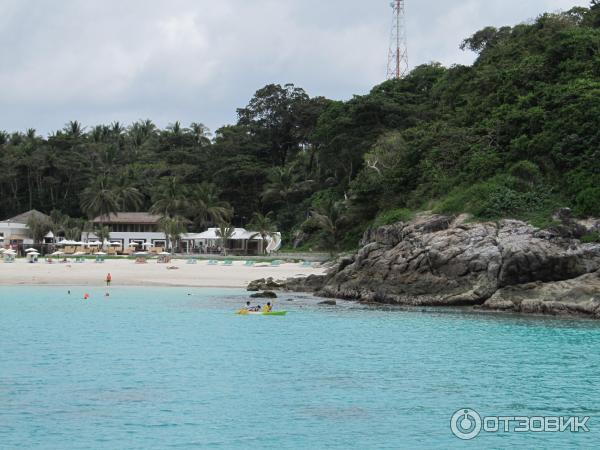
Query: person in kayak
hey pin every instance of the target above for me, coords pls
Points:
(247, 307)
(268, 307)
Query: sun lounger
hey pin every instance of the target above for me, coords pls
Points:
(306, 264)
(192, 260)
(213, 262)
(228, 262)
(250, 263)
(275, 263)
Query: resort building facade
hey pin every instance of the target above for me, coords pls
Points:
(14, 232)
(128, 228)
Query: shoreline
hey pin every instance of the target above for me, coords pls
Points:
(127, 273)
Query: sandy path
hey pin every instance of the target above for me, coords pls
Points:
(127, 273)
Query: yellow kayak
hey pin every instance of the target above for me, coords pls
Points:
(245, 312)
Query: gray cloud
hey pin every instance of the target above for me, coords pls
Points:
(198, 60)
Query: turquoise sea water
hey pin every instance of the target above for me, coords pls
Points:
(158, 368)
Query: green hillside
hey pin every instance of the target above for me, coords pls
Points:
(515, 135)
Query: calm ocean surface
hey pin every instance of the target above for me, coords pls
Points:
(158, 369)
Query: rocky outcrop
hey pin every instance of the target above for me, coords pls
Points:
(265, 284)
(579, 296)
(437, 260)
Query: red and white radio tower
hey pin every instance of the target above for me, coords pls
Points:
(398, 54)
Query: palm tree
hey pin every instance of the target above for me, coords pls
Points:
(207, 207)
(103, 234)
(329, 218)
(127, 196)
(264, 227)
(173, 228)
(73, 129)
(224, 233)
(98, 200)
(282, 183)
(200, 133)
(170, 198)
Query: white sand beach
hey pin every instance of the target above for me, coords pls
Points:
(127, 273)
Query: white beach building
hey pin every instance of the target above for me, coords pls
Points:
(129, 228)
(241, 242)
(15, 233)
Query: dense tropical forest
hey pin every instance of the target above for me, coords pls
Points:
(516, 134)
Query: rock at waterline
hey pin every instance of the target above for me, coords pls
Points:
(329, 303)
(266, 294)
(264, 284)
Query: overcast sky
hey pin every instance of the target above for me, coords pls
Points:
(99, 61)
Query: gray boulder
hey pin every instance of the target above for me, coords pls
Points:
(579, 296)
(440, 260)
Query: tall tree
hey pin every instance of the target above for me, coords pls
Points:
(99, 200)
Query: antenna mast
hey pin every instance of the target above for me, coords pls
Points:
(398, 53)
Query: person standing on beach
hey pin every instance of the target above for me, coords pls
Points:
(108, 279)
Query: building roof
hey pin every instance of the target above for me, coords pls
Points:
(140, 218)
(24, 217)
(238, 234)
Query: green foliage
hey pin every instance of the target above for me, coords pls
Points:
(392, 216)
(498, 197)
(587, 202)
(591, 238)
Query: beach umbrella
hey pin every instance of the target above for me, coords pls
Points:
(147, 244)
(133, 244)
(94, 243)
(100, 254)
(115, 244)
(57, 253)
(79, 254)
(30, 250)
(10, 250)
(141, 253)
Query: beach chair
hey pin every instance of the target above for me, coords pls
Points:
(275, 263)
(213, 262)
(192, 260)
(306, 264)
(228, 262)
(249, 263)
